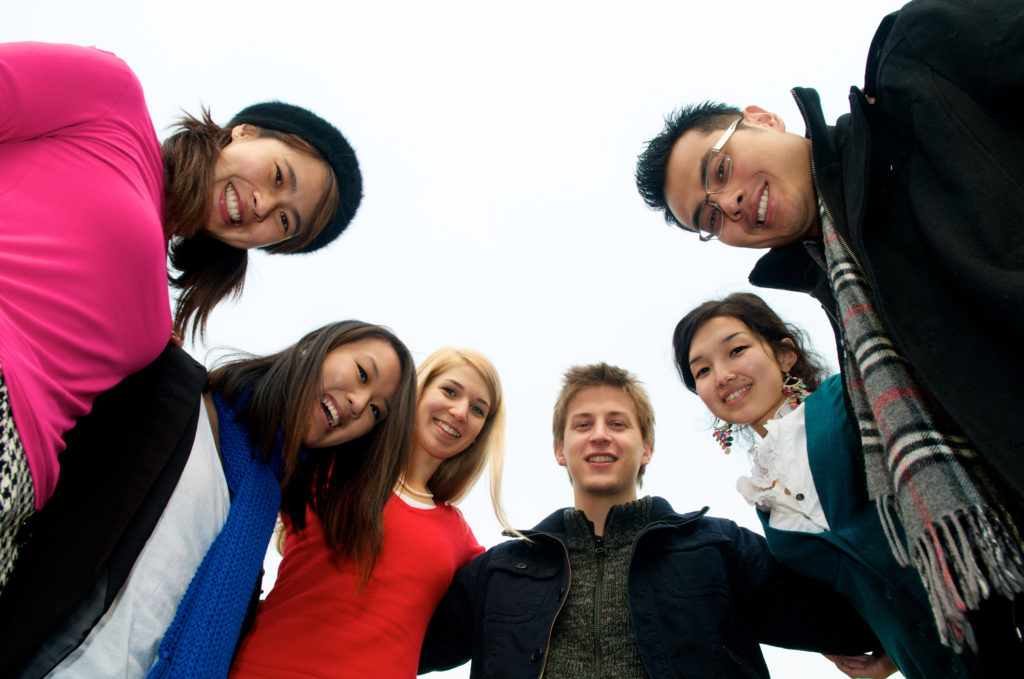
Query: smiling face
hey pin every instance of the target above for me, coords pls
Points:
(451, 412)
(264, 191)
(737, 375)
(359, 379)
(770, 198)
(603, 447)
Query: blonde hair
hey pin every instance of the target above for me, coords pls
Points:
(456, 476)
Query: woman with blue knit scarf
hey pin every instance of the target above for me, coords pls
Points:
(325, 423)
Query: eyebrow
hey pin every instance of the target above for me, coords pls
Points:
(459, 385)
(294, 182)
(724, 341)
(612, 413)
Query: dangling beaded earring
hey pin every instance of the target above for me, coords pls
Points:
(723, 434)
(794, 389)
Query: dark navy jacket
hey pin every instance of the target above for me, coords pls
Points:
(703, 594)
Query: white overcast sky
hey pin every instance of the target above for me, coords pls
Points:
(497, 142)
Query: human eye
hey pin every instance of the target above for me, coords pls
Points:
(362, 374)
(712, 220)
(737, 350)
(583, 424)
(719, 170)
(448, 391)
(617, 424)
(376, 412)
(700, 372)
(278, 177)
(284, 222)
(478, 411)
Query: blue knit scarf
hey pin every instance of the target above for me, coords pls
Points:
(201, 640)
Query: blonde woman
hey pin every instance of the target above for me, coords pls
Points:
(325, 616)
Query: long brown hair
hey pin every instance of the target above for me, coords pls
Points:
(210, 270)
(346, 486)
(763, 322)
(456, 476)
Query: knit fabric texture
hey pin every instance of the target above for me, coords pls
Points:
(201, 640)
(936, 500)
(593, 634)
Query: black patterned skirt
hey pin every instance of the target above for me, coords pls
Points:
(17, 494)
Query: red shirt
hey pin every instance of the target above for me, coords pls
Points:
(313, 624)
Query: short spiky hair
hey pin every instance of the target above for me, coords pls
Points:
(652, 163)
(580, 377)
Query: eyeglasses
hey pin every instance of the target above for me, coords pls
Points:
(717, 169)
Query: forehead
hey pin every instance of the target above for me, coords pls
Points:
(375, 348)
(684, 187)
(601, 400)
(717, 329)
(468, 376)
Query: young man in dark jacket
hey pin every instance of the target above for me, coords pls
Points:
(621, 587)
(903, 220)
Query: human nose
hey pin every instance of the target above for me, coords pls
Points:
(358, 400)
(723, 375)
(459, 409)
(732, 201)
(599, 433)
(262, 204)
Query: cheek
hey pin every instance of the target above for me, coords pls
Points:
(705, 391)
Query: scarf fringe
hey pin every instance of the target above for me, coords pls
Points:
(963, 559)
(892, 527)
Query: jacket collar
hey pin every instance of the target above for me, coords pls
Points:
(661, 512)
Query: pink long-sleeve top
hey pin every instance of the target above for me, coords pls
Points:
(83, 278)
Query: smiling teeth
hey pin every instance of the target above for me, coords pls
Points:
(736, 394)
(601, 458)
(762, 207)
(331, 412)
(231, 202)
(448, 430)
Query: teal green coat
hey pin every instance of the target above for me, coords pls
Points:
(854, 556)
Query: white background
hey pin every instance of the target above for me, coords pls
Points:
(498, 142)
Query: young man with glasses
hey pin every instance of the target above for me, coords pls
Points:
(905, 221)
(622, 587)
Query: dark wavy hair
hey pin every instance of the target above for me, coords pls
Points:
(652, 163)
(766, 325)
(346, 485)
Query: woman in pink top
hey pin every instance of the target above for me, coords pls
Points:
(328, 617)
(83, 237)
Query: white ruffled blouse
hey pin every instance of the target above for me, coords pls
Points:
(780, 481)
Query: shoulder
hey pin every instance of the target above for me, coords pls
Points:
(81, 62)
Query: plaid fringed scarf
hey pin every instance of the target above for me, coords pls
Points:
(935, 497)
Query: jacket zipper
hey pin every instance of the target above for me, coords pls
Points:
(568, 584)
(568, 566)
(599, 552)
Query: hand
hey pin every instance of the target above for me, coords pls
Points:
(877, 665)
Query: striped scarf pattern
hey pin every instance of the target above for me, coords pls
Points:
(936, 499)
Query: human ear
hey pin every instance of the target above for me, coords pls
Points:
(755, 116)
(645, 459)
(786, 357)
(559, 456)
(244, 131)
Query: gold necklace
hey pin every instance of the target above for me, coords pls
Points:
(413, 491)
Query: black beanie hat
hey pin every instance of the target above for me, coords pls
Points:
(325, 138)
